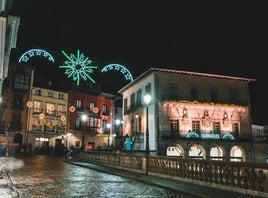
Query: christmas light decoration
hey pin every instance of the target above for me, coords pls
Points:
(78, 67)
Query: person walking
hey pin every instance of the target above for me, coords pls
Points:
(7, 150)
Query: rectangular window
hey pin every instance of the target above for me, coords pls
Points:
(232, 93)
(172, 91)
(61, 109)
(37, 108)
(125, 105)
(174, 125)
(216, 127)
(38, 92)
(132, 100)
(78, 122)
(91, 106)
(104, 109)
(194, 93)
(213, 94)
(50, 94)
(195, 126)
(78, 104)
(139, 99)
(50, 109)
(22, 82)
(94, 122)
(61, 96)
(148, 88)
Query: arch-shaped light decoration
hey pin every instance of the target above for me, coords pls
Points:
(35, 52)
(78, 67)
(118, 68)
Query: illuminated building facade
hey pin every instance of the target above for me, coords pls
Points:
(47, 119)
(97, 129)
(196, 115)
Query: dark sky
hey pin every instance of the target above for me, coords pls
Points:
(202, 36)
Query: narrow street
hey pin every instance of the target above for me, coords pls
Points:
(48, 176)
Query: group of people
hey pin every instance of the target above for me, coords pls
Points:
(27, 149)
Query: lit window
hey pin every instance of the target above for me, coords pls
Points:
(50, 94)
(37, 107)
(174, 125)
(91, 106)
(78, 104)
(61, 95)
(104, 109)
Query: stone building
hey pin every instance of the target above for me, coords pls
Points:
(13, 109)
(46, 119)
(197, 115)
(9, 27)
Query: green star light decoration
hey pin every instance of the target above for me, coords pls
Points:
(78, 67)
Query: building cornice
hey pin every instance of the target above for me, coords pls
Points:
(207, 75)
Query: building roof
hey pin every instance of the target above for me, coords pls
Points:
(153, 69)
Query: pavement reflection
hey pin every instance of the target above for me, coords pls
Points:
(48, 176)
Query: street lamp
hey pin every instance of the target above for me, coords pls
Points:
(118, 123)
(137, 117)
(84, 118)
(147, 100)
(108, 126)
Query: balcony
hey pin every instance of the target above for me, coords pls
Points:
(133, 108)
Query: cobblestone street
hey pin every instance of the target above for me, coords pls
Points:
(48, 176)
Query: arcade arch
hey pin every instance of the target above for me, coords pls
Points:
(197, 151)
(216, 153)
(237, 154)
(175, 150)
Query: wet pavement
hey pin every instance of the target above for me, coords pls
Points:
(49, 176)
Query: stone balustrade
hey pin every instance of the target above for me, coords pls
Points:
(235, 175)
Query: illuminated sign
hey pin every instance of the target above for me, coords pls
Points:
(118, 68)
(78, 67)
(35, 52)
(228, 136)
(192, 135)
(210, 136)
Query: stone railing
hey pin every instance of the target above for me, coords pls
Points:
(114, 159)
(236, 176)
(242, 175)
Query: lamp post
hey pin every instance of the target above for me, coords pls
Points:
(137, 117)
(108, 126)
(147, 100)
(84, 118)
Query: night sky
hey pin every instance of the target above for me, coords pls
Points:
(226, 39)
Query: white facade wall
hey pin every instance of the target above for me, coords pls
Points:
(127, 129)
(165, 106)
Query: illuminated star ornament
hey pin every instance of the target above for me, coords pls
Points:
(78, 67)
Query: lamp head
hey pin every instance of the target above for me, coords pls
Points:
(147, 99)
